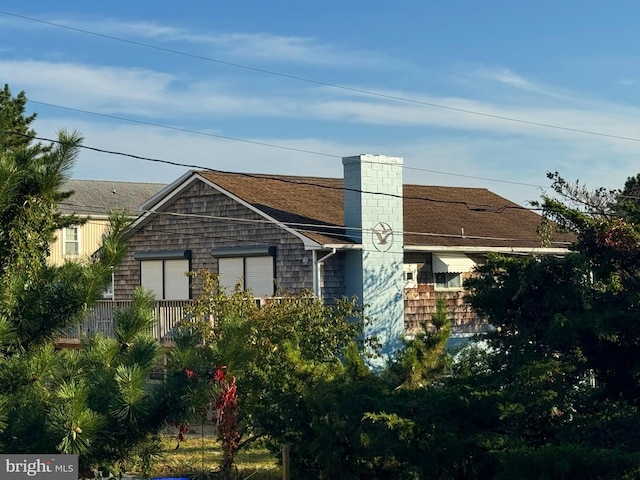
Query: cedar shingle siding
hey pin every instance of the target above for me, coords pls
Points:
(201, 234)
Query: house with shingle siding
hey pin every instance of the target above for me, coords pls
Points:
(396, 247)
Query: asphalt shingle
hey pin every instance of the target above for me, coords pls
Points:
(98, 197)
(433, 215)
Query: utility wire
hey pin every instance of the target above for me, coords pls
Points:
(473, 177)
(287, 179)
(322, 83)
(179, 129)
(264, 144)
(308, 227)
(177, 232)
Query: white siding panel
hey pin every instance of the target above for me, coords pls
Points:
(151, 277)
(176, 283)
(259, 276)
(230, 270)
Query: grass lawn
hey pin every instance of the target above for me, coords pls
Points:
(196, 455)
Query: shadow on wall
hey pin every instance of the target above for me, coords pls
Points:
(383, 295)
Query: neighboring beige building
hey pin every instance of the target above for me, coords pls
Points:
(94, 199)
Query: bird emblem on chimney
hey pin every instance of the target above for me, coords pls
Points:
(382, 236)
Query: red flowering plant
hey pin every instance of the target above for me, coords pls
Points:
(214, 391)
(225, 416)
(211, 335)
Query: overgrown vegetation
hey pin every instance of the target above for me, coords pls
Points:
(97, 402)
(552, 391)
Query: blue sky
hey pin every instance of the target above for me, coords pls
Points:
(289, 87)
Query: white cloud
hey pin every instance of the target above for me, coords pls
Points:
(427, 137)
(505, 76)
(185, 148)
(127, 91)
(435, 160)
(157, 95)
(124, 91)
(565, 120)
(86, 84)
(232, 47)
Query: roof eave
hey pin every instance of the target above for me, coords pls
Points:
(469, 249)
(338, 246)
(506, 249)
(158, 197)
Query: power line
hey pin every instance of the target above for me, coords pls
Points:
(264, 144)
(304, 227)
(323, 83)
(476, 207)
(179, 129)
(473, 177)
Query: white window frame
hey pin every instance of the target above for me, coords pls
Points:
(410, 272)
(109, 291)
(76, 242)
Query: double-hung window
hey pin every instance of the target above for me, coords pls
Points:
(251, 269)
(164, 272)
(71, 241)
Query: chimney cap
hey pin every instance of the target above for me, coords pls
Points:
(370, 158)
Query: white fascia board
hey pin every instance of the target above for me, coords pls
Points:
(166, 191)
(519, 250)
(307, 242)
(339, 246)
(92, 216)
(160, 199)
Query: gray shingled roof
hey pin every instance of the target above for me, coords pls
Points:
(97, 197)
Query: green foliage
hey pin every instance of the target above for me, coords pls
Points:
(36, 298)
(559, 375)
(97, 402)
(31, 188)
(424, 358)
(572, 462)
(553, 391)
(303, 381)
(71, 420)
(13, 120)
